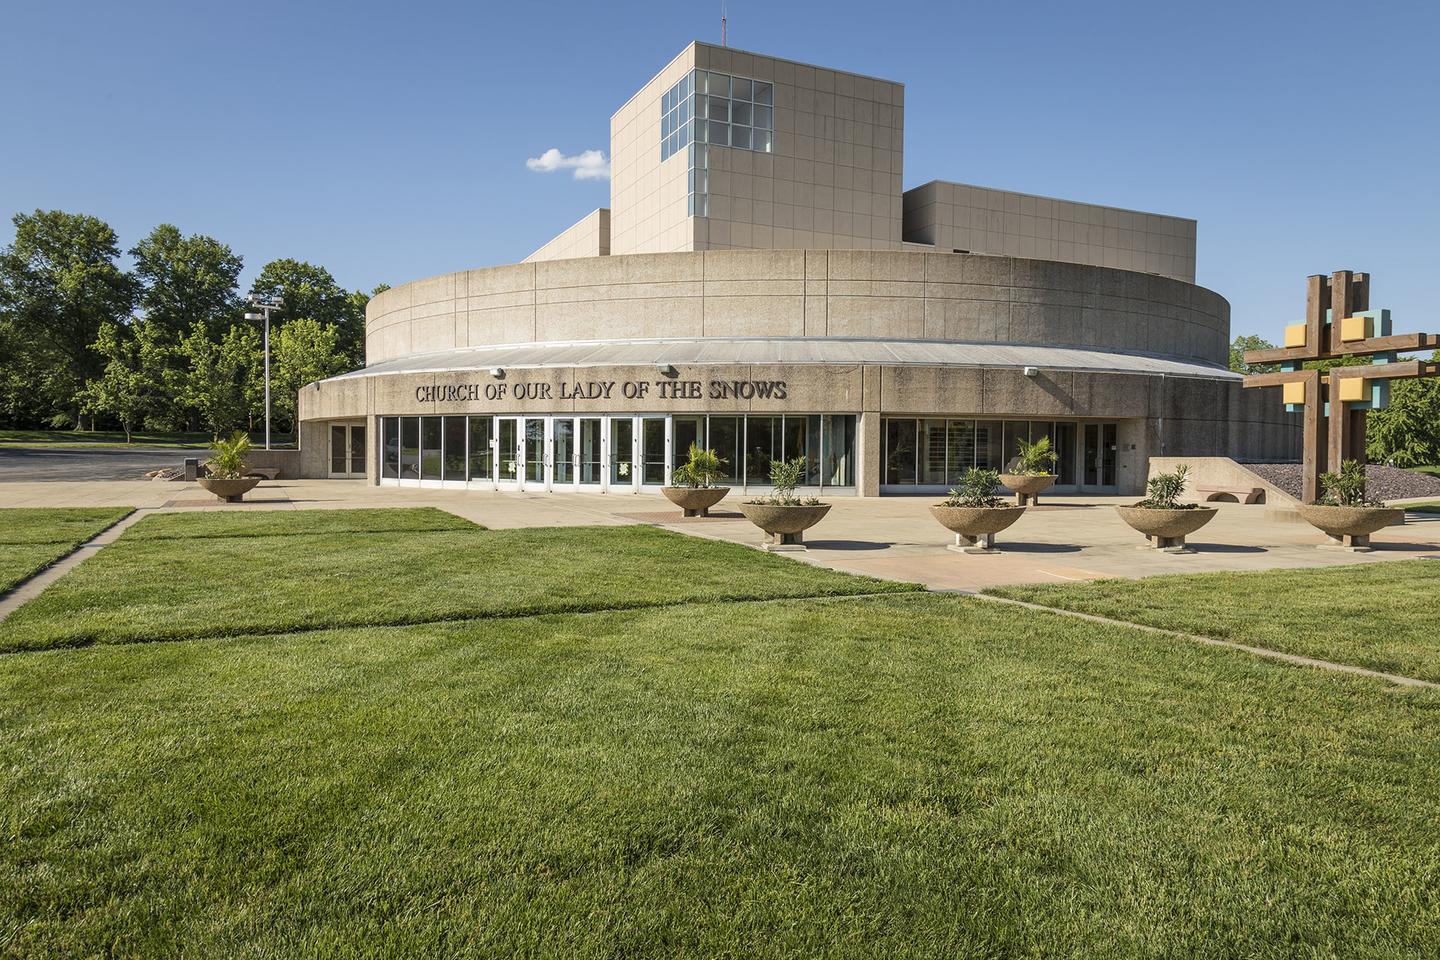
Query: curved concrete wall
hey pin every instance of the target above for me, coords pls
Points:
(796, 293)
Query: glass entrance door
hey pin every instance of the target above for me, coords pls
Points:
(591, 459)
(652, 451)
(1098, 459)
(347, 450)
(622, 454)
(533, 455)
(507, 453)
(562, 452)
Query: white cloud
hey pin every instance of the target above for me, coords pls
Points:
(589, 165)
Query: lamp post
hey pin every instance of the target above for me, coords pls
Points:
(264, 305)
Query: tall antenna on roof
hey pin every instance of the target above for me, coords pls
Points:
(722, 23)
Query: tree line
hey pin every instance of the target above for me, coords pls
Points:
(162, 346)
(1406, 433)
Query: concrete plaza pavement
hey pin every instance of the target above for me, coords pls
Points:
(1065, 539)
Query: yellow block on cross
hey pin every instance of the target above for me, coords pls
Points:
(1294, 392)
(1353, 329)
(1295, 335)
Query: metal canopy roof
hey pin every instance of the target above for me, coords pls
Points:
(792, 350)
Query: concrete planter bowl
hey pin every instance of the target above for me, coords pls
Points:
(786, 526)
(1349, 527)
(1167, 529)
(975, 527)
(231, 491)
(1028, 486)
(695, 501)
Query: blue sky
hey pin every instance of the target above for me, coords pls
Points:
(388, 141)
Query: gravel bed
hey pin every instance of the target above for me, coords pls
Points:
(1385, 483)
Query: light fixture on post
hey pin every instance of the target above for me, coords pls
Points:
(1032, 371)
(666, 369)
(264, 306)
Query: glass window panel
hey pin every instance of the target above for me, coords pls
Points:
(1065, 447)
(338, 458)
(763, 140)
(719, 109)
(724, 439)
(685, 431)
(685, 84)
(665, 126)
(764, 92)
(702, 156)
(702, 108)
(684, 114)
(480, 453)
(989, 445)
(960, 450)
(742, 89)
(665, 102)
(702, 181)
(410, 448)
(717, 83)
(563, 457)
(357, 449)
(764, 118)
(740, 137)
(796, 441)
(430, 440)
(1108, 454)
(702, 132)
(931, 445)
(507, 453)
(813, 454)
(839, 451)
(652, 450)
(1015, 430)
(1092, 454)
(452, 464)
(690, 205)
(591, 466)
(622, 451)
(762, 446)
(1042, 428)
(740, 113)
(702, 205)
(719, 133)
(391, 469)
(899, 451)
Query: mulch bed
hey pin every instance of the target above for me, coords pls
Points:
(1385, 483)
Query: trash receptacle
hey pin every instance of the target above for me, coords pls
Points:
(192, 468)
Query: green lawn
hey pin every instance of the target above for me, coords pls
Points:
(295, 523)
(1376, 615)
(1434, 471)
(905, 776)
(112, 438)
(249, 574)
(1432, 506)
(32, 539)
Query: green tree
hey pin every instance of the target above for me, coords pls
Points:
(1407, 432)
(187, 280)
(302, 352)
(127, 387)
(59, 284)
(216, 380)
(1240, 345)
(309, 291)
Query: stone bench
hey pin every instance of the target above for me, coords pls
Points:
(1232, 494)
(264, 473)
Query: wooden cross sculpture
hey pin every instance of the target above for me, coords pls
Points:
(1339, 323)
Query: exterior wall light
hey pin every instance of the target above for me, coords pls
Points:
(1032, 371)
(666, 369)
(498, 373)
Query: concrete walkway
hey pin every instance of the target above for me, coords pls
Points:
(1066, 539)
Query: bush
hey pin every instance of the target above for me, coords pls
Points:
(977, 489)
(785, 476)
(1164, 490)
(229, 460)
(1036, 459)
(701, 470)
(1346, 488)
